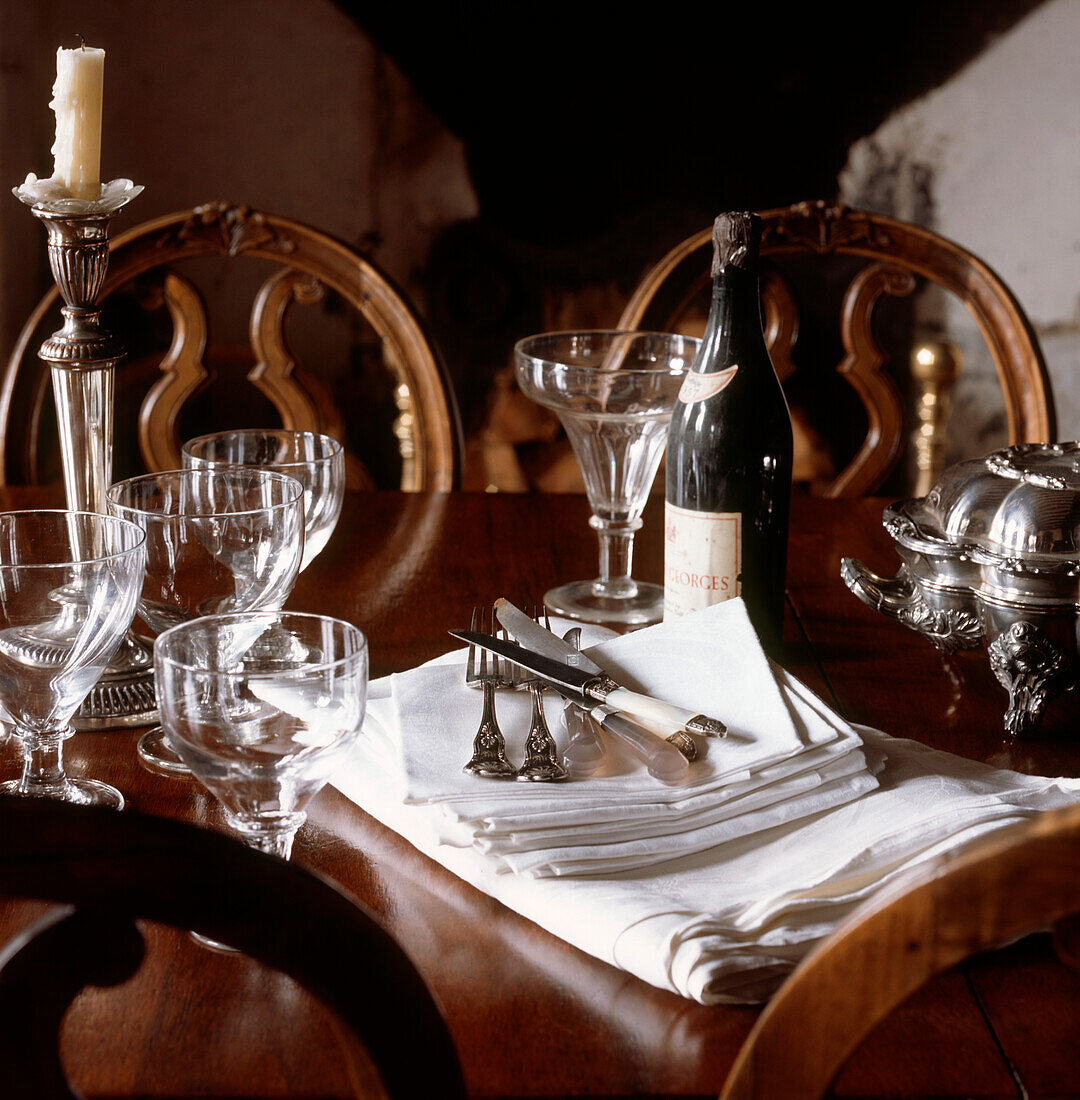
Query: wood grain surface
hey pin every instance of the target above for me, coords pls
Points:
(530, 1015)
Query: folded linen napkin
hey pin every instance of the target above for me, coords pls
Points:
(785, 756)
(725, 920)
(730, 678)
(727, 924)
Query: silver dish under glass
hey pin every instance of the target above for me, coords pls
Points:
(991, 556)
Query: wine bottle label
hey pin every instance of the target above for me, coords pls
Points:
(702, 558)
(699, 387)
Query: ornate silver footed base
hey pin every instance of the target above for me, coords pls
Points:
(124, 696)
(1032, 670)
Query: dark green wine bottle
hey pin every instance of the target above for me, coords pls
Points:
(729, 453)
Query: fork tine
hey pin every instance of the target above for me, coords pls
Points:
(470, 668)
(485, 657)
(504, 670)
(516, 676)
(526, 678)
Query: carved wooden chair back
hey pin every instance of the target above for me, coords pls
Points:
(412, 387)
(107, 870)
(1019, 880)
(898, 256)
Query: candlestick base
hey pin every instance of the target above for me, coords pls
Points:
(124, 696)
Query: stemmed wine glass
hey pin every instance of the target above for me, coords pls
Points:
(614, 393)
(68, 586)
(216, 541)
(259, 723)
(316, 461)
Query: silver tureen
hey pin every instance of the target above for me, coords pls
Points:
(991, 555)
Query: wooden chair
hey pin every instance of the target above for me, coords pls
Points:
(1016, 881)
(898, 256)
(108, 869)
(402, 377)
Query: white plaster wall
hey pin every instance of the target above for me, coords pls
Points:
(991, 159)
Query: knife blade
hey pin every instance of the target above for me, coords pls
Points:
(528, 632)
(532, 635)
(589, 688)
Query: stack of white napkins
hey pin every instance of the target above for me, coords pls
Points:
(714, 888)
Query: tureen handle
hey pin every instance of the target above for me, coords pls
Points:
(901, 598)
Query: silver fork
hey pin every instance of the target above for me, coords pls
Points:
(489, 747)
(541, 752)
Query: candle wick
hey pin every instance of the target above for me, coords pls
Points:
(82, 41)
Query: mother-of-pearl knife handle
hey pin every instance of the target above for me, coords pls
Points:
(655, 713)
(584, 754)
(667, 759)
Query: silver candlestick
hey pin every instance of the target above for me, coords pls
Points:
(82, 357)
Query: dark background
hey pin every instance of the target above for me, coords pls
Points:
(596, 140)
(575, 121)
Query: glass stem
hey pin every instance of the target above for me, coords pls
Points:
(43, 762)
(616, 555)
(276, 844)
(272, 834)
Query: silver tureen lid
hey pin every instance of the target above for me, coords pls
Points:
(1021, 502)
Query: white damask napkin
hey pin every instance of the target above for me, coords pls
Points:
(714, 666)
(785, 756)
(726, 924)
(714, 889)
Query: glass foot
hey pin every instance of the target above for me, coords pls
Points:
(156, 755)
(82, 792)
(582, 601)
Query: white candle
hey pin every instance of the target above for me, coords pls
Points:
(77, 102)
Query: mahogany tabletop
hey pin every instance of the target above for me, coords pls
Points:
(530, 1015)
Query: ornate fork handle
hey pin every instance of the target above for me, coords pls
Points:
(489, 748)
(541, 753)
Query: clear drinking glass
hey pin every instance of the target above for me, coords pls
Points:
(262, 707)
(614, 393)
(68, 586)
(316, 461)
(216, 541)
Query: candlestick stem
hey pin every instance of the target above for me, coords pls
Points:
(82, 357)
(85, 398)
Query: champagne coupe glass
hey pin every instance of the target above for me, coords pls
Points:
(316, 461)
(260, 724)
(68, 586)
(216, 541)
(614, 393)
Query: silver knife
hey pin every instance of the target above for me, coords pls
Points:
(533, 636)
(588, 685)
